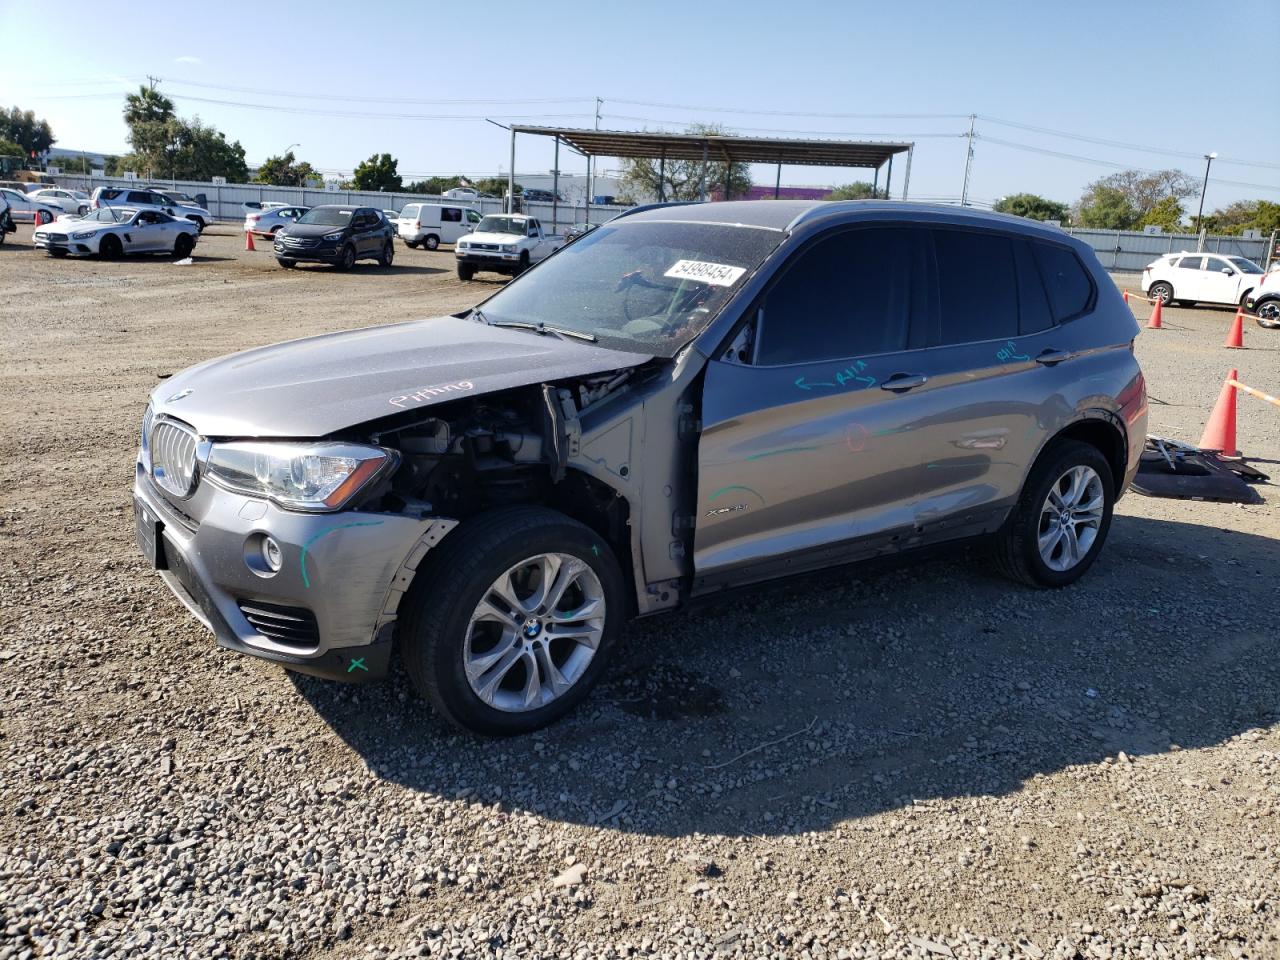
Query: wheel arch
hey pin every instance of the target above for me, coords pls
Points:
(1102, 430)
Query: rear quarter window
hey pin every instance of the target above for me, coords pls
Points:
(977, 285)
(1065, 280)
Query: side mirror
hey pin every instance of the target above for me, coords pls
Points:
(1228, 271)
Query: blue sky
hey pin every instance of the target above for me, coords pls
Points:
(1170, 76)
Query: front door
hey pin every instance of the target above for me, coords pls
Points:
(807, 451)
(1221, 282)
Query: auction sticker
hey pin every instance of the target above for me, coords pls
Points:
(716, 274)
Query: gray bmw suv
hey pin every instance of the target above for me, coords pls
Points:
(685, 400)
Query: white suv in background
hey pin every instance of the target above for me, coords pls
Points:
(150, 200)
(1188, 278)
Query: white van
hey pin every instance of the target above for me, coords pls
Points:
(431, 224)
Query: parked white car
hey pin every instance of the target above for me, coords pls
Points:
(24, 207)
(1187, 278)
(505, 243)
(267, 220)
(114, 231)
(150, 200)
(71, 201)
(431, 224)
(461, 193)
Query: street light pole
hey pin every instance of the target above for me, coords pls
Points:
(1208, 162)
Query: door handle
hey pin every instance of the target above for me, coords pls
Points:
(1049, 358)
(901, 382)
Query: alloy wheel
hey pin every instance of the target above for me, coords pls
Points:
(1070, 518)
(534, 632)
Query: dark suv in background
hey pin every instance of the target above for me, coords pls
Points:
(339, 234)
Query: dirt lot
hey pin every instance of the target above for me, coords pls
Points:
(920, 761)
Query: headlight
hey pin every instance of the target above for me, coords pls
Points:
(333, 236)
(463, 245)
(508, 247)
(298, 476)
(83, 236)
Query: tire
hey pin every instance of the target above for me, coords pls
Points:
(1017, 548)
(58, 254)
(348, 258)
(438, 633)
(287, 264)
(81, 210)
(1185, 303)
(1161, 291)
(388, 255)
(411, 244)
(110, 248)
(199, 222)
(274, 230)
(466, 271)
(1267, 313)
(182, 246)
(524, 264)
(431, 242)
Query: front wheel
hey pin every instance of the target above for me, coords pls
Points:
(1267, 313)
(1161, 291)
(199, 224)
(110, 247)
(513, 619)
(523, 265)
(182, 246)
(348, 259)
(466, 271)
(287, 264)
(388, 255)
(1061, 520)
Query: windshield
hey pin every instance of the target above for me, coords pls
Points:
(110, 215)
(639, 286)
(1245, 265)
(496, 224)
(328, 216)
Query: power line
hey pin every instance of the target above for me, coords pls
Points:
(351, 99)
(791, 113)
(814, 133)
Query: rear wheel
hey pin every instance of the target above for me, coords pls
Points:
(432, 242)
(1061, 521)
(512, 620)
(1161, 291)
(466, 271)
(81, 210)
(198, 222)
(110, 247)
(183, 246)
(411, 244)
(348, 259)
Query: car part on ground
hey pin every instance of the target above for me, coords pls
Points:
(1180, 471)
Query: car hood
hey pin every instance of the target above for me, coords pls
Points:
(310, 229)
(69, 224)
(320, 385)
(487, 237)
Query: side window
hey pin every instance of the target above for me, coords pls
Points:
(1217, 266)
(845, 296)
(977, 286)
(1065, 280)
(1191, 263)
(473, 217)
(136, 196)
(410, 212)
(1033, 303)
(450, 215)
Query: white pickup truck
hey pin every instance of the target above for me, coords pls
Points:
(507, 243)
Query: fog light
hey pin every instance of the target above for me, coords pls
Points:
(271, 554)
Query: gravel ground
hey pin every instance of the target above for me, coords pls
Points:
(917, 760)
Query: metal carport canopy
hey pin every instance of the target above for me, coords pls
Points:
(693, 146)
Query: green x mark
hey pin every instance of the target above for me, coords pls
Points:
(357, 663)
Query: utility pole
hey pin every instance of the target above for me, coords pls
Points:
(968, 163)
(1208, 162)
(591, 166)
(152, 81)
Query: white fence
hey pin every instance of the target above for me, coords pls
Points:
(1128, 250)
(225, 201)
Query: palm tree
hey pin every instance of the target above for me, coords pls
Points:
(148, 105)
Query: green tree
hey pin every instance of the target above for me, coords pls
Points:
(377, 173)
(81, 165)
(1033, 207)
(1106, 208)
(495, 186)
(858, 190)
(166, 146)
(434, 185)
(1166, 214)
(153, 129)
(10, 149)
(202, 152)
(287, 171)
(1244, 215)
(21, 127)
(682, 179)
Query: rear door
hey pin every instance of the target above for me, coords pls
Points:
(364, 226)
(999, 342)
(807, 450)
(451, 227)
(1188, 279)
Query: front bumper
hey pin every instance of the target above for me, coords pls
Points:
(325, 253)
(343, 575)
(487, 258)
(74, 248)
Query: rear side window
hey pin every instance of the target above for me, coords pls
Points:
(1034, 314)
(136, 196)
(1191, 263)
(977, 286)
(1065, 280)
(450, 215)
(845, 296)
(109, 194)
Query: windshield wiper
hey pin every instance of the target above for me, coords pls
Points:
(543, 328)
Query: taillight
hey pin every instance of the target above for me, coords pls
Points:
(253, 219)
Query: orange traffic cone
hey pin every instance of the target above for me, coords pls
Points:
(1235, 338)
(1154, 322)
(248, 240)
(1126, 297)
(1220, 431)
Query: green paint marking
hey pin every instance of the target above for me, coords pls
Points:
(724, 490)
(302, 559)
(945, 466)
(888, 430)
(357, 664)
(595, 550)
(776, 453)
